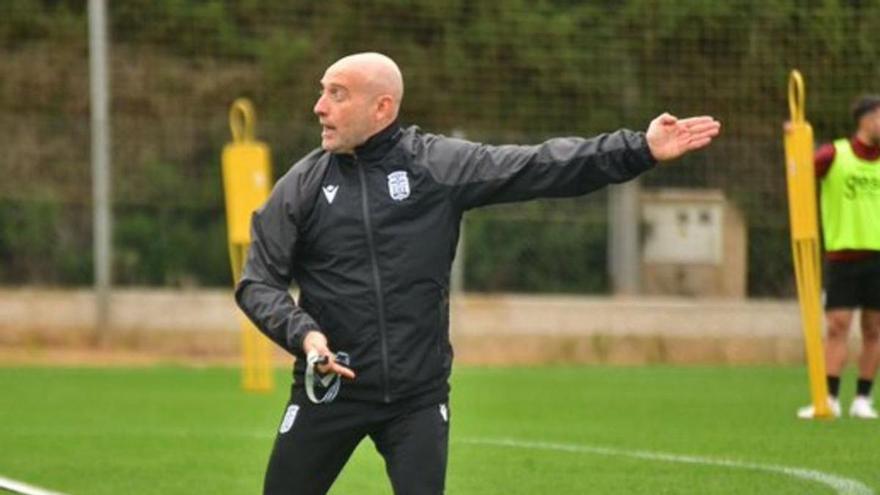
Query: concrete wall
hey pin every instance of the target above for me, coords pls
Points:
(491, 329)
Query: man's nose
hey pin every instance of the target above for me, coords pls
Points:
(320, 107)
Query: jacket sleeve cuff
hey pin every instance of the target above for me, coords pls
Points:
(296, 337)
(646, 159)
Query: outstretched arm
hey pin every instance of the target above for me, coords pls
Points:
(479, 174)
(670, 137)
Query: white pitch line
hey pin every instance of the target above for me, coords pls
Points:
(23, 488)
(840, 485)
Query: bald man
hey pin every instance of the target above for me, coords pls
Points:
(367, 226)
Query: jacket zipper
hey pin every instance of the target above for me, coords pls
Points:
(377, 282)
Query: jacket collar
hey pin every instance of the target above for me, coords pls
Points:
(379, 144)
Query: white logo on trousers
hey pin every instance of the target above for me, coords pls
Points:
(289, 418)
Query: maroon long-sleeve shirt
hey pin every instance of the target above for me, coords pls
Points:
(823, 160)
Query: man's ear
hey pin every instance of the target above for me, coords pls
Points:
(385, 107)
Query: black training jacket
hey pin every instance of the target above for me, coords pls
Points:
(370, 237)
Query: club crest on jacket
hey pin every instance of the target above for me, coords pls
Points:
(398, 185)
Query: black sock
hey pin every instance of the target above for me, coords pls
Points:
(863, 387)
(833, 385)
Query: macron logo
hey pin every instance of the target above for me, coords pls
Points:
(330, 193)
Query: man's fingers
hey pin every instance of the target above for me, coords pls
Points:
(699, 120)
(334, 367)
(696, 144)
(670, 141)
(325, 365)
(343, 371)
(331, 366)
(667, 119)
(701, 126)
(709, 133)
(701, 130)
(704, 128)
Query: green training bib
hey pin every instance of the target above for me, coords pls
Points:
(851, 201)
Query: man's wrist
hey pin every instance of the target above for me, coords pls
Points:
(305, 339)
(647, 153)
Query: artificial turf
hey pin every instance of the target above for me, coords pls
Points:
(187, 430)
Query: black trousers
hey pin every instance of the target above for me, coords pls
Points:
(315, 441)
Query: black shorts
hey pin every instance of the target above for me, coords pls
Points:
(853, 284)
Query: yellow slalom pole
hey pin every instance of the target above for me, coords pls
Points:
(246, 181)
(801, 179)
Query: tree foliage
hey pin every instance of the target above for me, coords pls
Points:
(512, 71)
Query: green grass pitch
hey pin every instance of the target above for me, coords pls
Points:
(647, 430)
